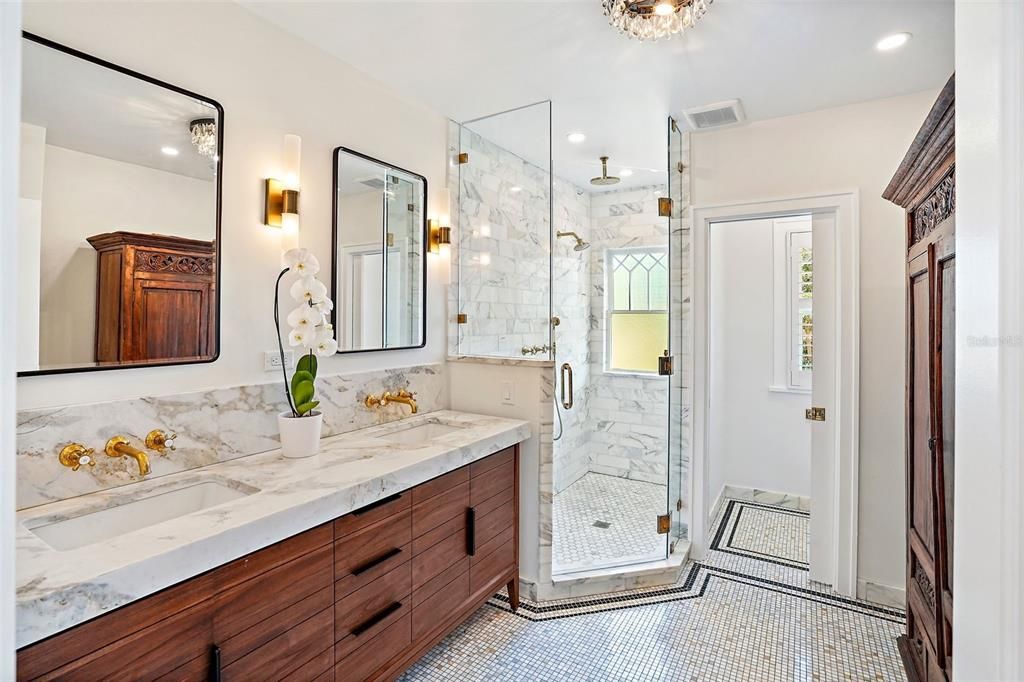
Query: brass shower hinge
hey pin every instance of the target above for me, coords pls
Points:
(675, 126)
(665, 207)
(679, 505)
(665, 365)
(463, 157)
(462, 318)
(815, 414)
(664, 524)
(680, 166)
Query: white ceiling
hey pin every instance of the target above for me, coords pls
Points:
(477, 57)
(96, 110)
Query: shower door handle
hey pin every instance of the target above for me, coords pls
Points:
(566, 377)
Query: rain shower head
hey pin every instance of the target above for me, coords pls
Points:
(604, 179)
(580, 244)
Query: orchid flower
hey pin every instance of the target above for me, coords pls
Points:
(300, 261)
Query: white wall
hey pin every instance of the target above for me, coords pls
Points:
(852, 147)
(988, 511)
(85, 195)
(240, 61)
(30, 225)
(758, 438)
(10, 114)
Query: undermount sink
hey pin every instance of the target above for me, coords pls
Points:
(421, 433)
(111, 522)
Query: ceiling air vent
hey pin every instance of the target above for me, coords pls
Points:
(718, 115)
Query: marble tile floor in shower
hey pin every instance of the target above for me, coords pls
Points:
(603, 520)
(747, 612)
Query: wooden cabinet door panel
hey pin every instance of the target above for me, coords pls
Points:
(433, 512)
(285, 653)
(427, 614)
(436, 559)
(493, 482)
(171, 319)
(482, 466)
(436, 486)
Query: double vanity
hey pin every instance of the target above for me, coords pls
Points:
(348, 565)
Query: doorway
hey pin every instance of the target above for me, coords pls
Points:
(832, 353)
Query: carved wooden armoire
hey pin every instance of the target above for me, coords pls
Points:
(924, 185)
(155, 298)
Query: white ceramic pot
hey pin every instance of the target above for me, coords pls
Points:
(300, 436)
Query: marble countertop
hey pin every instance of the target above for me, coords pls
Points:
(59, 589)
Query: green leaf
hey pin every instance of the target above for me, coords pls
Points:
(307, 406)
(303, 392)
(307, 363)
(299, 377)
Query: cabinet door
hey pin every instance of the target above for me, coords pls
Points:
(171, 319)
(921, 516)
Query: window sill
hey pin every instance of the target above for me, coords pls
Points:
(629, 373)
(789, 389)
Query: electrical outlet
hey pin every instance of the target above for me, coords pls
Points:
(272, 360)
(508, 393)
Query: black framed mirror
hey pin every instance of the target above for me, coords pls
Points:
(119, 217)
(379, 254)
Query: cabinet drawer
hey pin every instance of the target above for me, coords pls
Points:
(426, 615)
(149, 653)
(438, 485)
(493, 482)
(437, 510)
(370, 609)
(375, 653)
(320, 667)
(371, 514)
(285, 653)
(257, 601)
(439, 557)
(490, 525)
(491, 461)
(363, 556)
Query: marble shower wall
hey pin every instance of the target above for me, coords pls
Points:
(503, 256)
(628, 412)
(212, 426)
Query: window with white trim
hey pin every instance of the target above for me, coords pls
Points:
(793, 307)
(636, 308)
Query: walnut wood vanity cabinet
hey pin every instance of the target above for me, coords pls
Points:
(924, 185)
(155, 297)
(359, 598)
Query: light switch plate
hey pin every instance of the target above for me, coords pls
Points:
(272, 360)
(508, 393)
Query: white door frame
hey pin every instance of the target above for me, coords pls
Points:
(844, 205)
(10, 142)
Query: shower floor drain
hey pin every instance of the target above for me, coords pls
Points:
(602, 524)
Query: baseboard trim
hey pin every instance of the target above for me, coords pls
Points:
(772, 497)
(882, 594)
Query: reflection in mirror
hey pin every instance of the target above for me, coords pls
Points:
(118, 217)
(379, 254)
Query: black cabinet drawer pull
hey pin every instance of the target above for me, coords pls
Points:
(471, 531)
(215, 664)
(373, 505)
(373, 563)
(366, 625)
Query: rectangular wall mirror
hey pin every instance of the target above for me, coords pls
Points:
(119, 217)
(380, 243)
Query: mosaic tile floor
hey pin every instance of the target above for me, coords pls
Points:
(604, 521)
(735, 616)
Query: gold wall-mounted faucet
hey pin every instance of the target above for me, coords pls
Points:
(401, 396)
(120, 446)
(75, 455)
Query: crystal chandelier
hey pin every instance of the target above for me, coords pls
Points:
(204, 136)
(653, 19)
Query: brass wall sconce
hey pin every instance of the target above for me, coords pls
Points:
(281, 197)
(440, 236)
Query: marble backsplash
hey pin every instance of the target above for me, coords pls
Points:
(212, 426)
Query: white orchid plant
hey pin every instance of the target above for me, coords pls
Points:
(310, 328)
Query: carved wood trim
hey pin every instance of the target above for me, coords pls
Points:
(936, 207)
(924, 583)
(155, 261)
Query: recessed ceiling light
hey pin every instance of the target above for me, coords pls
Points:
(892, 42)
(515, 189)
(664, 8)
(169, 151)
(576, 138)
(626, 172)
